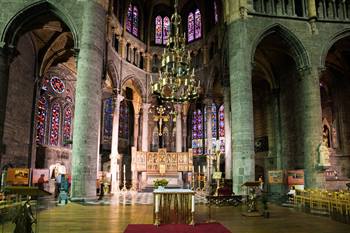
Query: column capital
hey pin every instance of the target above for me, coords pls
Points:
(178, 108)
(208, 101)
(118, 98)
(145, 107)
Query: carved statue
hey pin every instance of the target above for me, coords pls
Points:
(323, 154)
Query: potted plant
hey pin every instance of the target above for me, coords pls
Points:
(160, 183)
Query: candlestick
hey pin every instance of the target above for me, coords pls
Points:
(192, 207)
(157, 203)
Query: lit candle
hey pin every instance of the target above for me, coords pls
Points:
(157, 203)
(199, 169)
(192, 209)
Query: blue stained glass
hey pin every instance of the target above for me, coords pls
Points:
(190, 27)
(213, 121)
(135, 22)
(124, 120)
(108, 119)
(129, 19)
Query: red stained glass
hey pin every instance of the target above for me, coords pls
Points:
(55, 124)
(41, 120)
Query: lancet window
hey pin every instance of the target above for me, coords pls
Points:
(132, 21)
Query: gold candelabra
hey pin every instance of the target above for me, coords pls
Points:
(177, 81)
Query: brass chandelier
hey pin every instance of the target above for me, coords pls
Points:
(177, 81)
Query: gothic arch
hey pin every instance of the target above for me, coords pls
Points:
(298, 50)
(138, 84)
(112, 70)
(333, 39)
(25, 16)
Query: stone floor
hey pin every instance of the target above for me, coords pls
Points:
(115, 216)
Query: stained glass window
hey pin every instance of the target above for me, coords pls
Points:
(129, 19)
(55, 124)
(197, 132)
(166, 29)
(108, 118)
(67, 125)
(57, 84)
(214, 123)
(198, 24)
(124, 120)
(190, 27)
(159, 26)
(222, 128)
(216, 16)
(135, 22)
(41, 119)
(132, 21)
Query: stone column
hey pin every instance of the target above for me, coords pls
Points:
(185, 130)
(228, 156)
(312, 13)
(145, 109)
(114, 156)
(136, 128)
(310, 115)
(178, 128)
(242, 123)
(4, 78)
(208, 105)
(88, 102)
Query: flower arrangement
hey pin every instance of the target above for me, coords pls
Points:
(160, 183)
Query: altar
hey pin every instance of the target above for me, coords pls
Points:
(173, 206)
(149, 166)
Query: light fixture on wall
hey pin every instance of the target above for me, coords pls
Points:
(177, 81)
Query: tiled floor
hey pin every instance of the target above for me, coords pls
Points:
(115, 216)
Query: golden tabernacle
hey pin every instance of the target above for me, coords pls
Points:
(162, 164)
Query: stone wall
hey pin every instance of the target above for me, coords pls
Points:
(18, 121)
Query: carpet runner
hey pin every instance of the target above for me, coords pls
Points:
(177, 228)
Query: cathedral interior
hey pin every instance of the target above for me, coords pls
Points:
(270, 99)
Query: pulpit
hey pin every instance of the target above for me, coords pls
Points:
(252, 188)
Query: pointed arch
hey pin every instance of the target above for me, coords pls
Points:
(112, 70)
(297, 49)
(137, 83)
(332, 40)
(12, 31)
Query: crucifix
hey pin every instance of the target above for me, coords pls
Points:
(160, 118)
